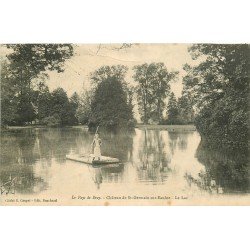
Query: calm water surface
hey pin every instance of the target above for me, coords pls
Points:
(155, 161)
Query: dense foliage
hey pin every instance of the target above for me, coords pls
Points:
(63, 109)
(219, 86)
(9, 98)
(179, 111)
(83, 111)
(152, 89)
(24, 97)
(172, 110)
(229, 170)
(217, 89)
(110, 105)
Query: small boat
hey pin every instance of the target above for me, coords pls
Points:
(91, 159)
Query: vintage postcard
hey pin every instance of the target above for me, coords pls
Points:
(124, 124)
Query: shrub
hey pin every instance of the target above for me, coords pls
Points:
(51, 121)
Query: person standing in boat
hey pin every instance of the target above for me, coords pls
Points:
(96, 144)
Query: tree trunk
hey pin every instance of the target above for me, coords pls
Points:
(159, 110)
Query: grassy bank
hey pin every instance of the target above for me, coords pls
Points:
(188, 127)
(40, 126)
(23, 127)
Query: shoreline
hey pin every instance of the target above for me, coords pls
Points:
(188, 127)
(9, 128)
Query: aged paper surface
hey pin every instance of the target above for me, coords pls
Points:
(124, 124)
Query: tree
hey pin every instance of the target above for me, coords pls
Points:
(106, 72)
(110, 106)
(44, 103)
(186, 111)
(74, 104)
(83, 111)
(8, 96)
(153, 87)
(25, 109)
(26, 63)
(160, 79)
(61, 108)
(32, 59)
(143, 91)
(173, 111)
(219, 85)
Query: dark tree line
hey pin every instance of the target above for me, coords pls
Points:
(153, 86)
(25, 97)
(109, 103)
(219, 87)
(26, 63)
(179, 111)
(56, 109)
(37, 105)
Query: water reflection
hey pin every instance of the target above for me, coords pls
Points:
(225, 171)
(17, 159)
(152, 164)
(34, 161)
(112, 173)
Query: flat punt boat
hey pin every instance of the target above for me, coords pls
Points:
(91, 159)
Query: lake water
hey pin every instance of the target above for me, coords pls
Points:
(153, 162)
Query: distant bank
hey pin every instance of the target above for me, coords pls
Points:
(189, 127)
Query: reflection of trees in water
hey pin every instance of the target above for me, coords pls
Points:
(118, 145)
(153, 160)
(17, 147)
(17, 159)
(26, 145)
(108, 174)
(57, 142)
(23, 180)
(173, 137)
(183, 140)
(179, 139)
(160, 155)
(21, 149)
(226, 170)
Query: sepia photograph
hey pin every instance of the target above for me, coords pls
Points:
(124, 124)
